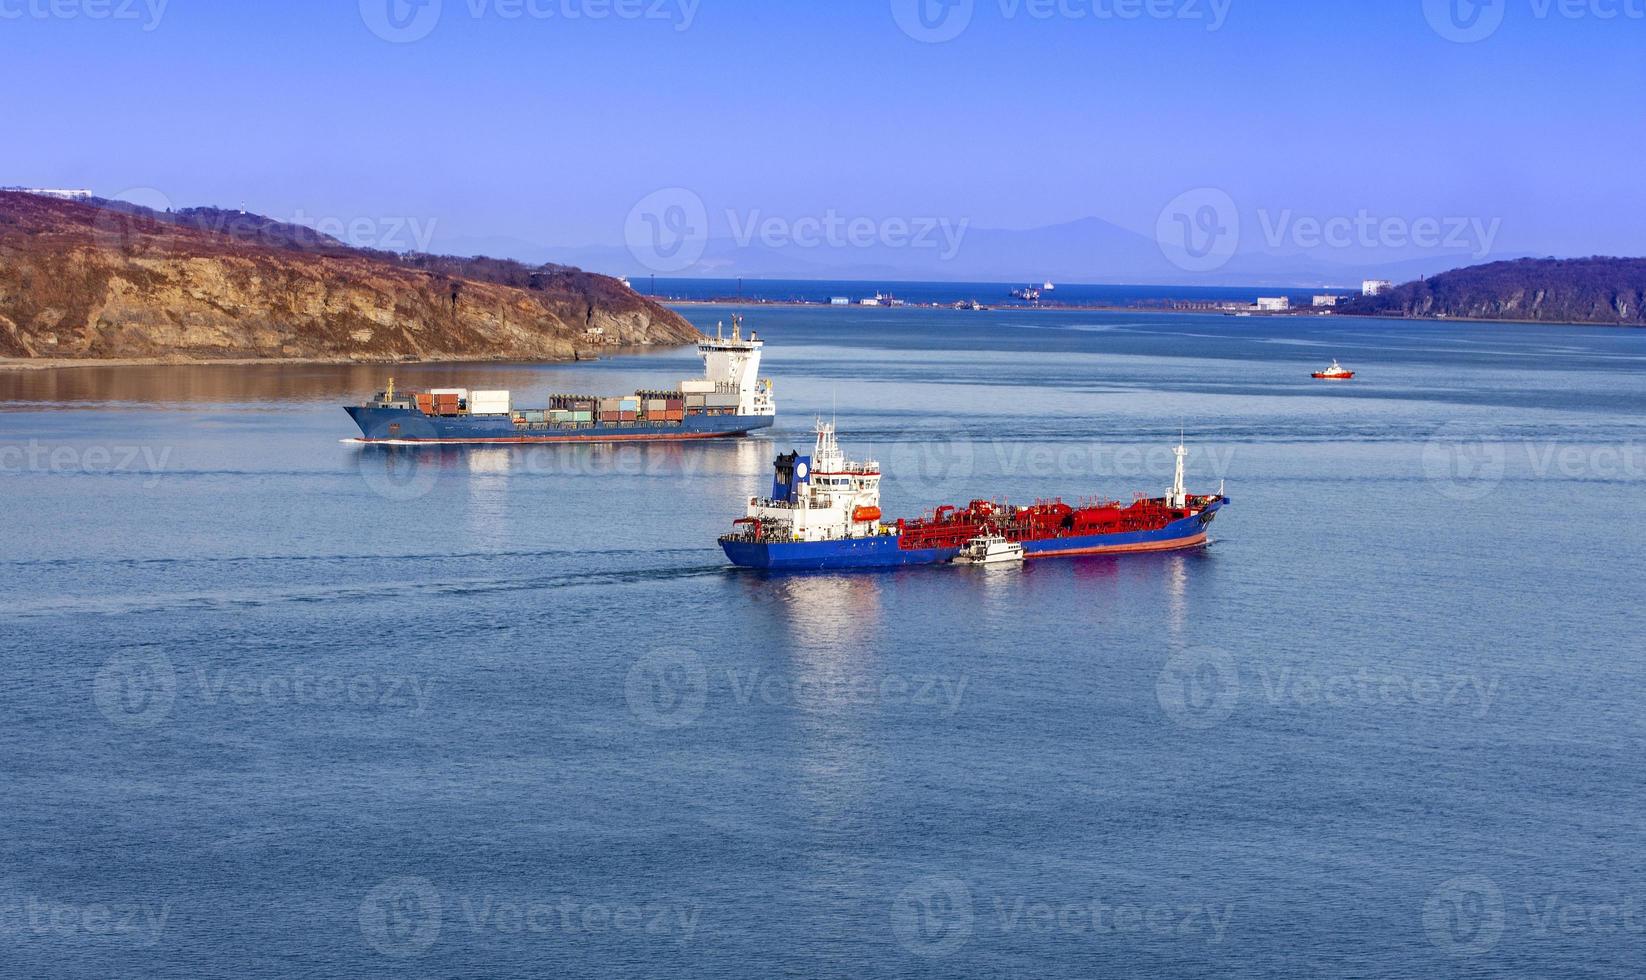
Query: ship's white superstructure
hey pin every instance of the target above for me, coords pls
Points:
(824, 497)
(732, 364)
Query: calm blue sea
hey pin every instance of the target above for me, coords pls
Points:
(272, 705)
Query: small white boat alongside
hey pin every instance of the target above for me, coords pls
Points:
(991, 549)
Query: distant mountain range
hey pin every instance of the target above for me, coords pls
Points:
(1594, 290)
(1089, 250)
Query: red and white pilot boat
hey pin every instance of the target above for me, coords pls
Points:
(1336, 372)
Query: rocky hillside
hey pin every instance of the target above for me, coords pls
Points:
(1597, 290)
(104, 280)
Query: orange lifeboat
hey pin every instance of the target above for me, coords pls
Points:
(866, 514)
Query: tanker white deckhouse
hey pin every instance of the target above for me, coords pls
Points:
(731, 399)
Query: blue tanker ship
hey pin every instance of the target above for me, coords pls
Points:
(824, 514)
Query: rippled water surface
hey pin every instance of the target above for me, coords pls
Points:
(275, 705)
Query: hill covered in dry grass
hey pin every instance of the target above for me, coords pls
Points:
(103, 280)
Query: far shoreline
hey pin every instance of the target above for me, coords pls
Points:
(1300, 312)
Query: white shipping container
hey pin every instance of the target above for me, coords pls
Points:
(459, 392)
(489, 403)
(696, 387)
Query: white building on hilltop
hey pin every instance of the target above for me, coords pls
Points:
(1375, 287)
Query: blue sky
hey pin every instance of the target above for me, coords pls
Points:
(511, 119)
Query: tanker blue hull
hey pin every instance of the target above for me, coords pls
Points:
(402, 425)
(818, 556)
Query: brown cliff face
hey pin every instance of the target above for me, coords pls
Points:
(88, 282)
(1592, 290)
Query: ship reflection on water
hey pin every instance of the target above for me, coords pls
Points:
(403, 473)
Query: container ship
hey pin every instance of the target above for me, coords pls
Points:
(730, 399)
(824, 513)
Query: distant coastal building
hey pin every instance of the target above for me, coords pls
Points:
(840, 301)
(1375, 287)
(869, 302)
(1273, 304)
(66, 195)
(1325, 301)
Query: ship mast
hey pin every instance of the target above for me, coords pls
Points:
(1179, 497)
